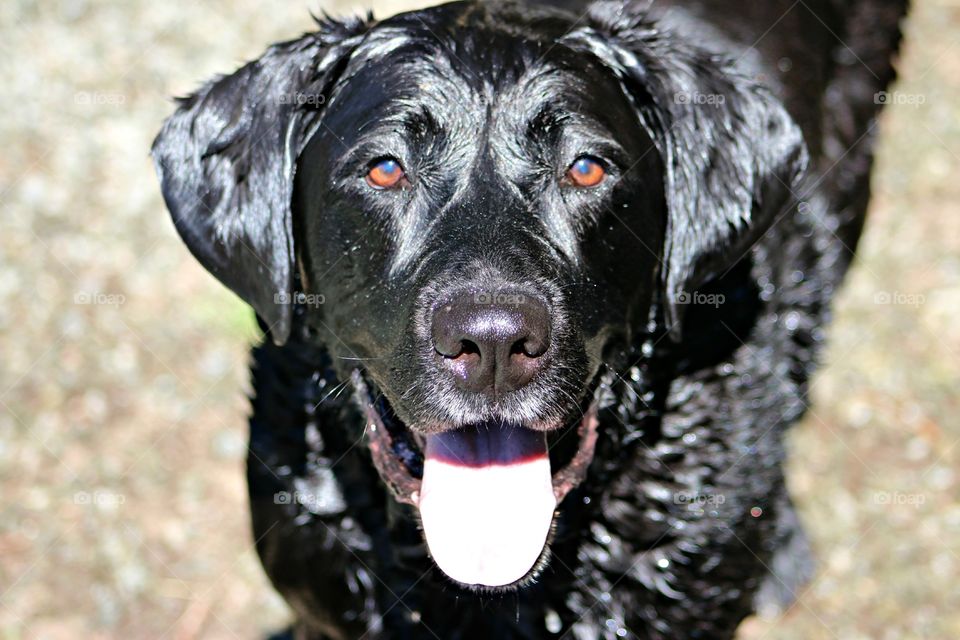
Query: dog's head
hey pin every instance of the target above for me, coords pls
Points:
(478, 208)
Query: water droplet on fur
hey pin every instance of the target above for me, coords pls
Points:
(689, 438)
(552, 620)
(792, 321)
(756, 512)
(663, 563)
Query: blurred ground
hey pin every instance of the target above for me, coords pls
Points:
(122, 364)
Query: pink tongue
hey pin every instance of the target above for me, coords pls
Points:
(486, 502)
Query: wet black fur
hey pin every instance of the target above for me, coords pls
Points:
(683, 526)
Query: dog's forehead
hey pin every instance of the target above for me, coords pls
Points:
(467, 74)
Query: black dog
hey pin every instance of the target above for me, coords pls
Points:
(544, 290)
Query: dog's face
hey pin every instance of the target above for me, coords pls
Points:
(479, 226)
(489, 204)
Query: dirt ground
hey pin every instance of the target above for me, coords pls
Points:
(122, 363)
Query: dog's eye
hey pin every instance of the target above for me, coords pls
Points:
(586, 172)
(386, 173)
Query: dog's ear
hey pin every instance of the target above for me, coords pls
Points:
(226, 160)
(731, 152)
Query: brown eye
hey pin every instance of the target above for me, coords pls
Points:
(386, 174)
(586, 172)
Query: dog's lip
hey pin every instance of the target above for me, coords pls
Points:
(406, 486)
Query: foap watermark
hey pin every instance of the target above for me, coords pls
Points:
(99, 98)
(898, 499)
(499, 297)
(99, 298)
(303, 299)
(897, 97)
(311, 501)
(696, 297)
(697, 98)
(99, 498)
(299, 99)
(899, 298)
(691, 498)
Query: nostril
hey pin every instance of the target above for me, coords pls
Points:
(468, 347)
(462, 348)
(529, 347)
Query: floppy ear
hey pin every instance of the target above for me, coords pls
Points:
(226, 160)
(731, 152)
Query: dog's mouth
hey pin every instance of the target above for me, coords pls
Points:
(486, 493)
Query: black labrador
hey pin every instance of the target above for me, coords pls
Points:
(543, 289)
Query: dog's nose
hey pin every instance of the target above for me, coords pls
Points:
(492, 342)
